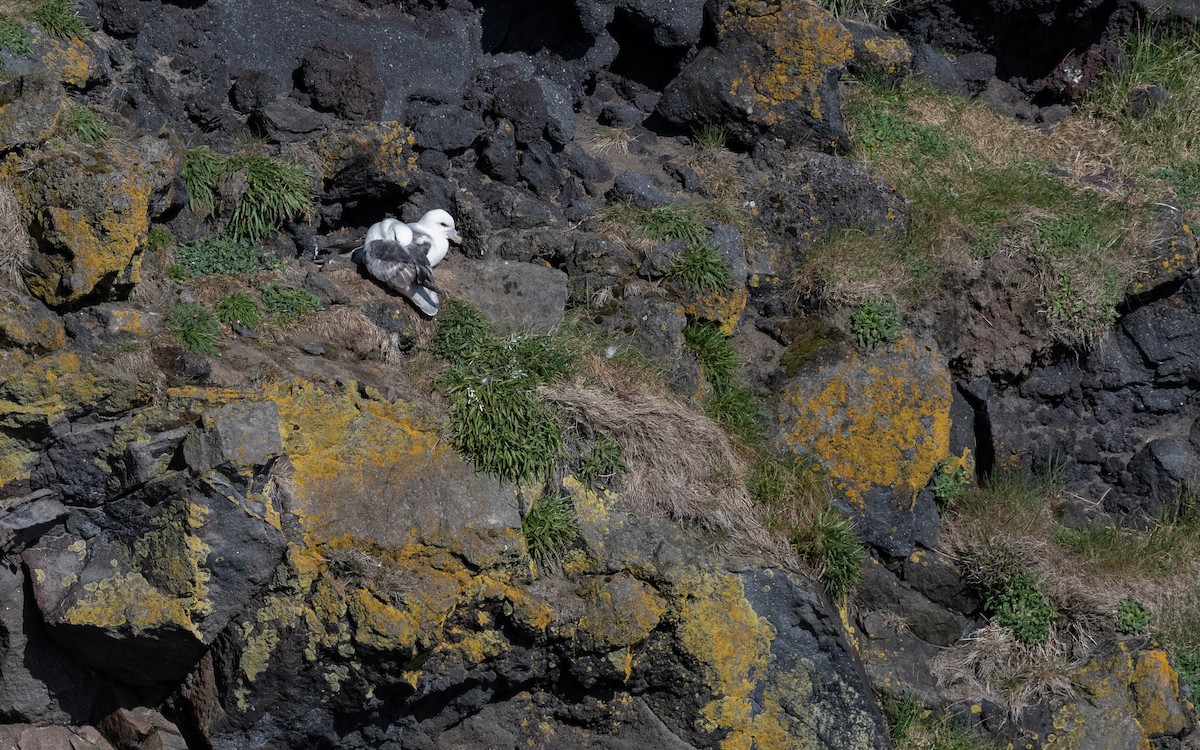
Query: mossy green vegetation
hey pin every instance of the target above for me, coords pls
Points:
(1019, 603)
(221, 255)
(978, 185)
(158, 238)
(273, 190)
(14, 37)
(195, 328)
(911, 726)
(702, 269)
(286, 303)
(58, 18)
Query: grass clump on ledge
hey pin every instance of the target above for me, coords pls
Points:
(288, 304)
(58, 18)
(87, 125)
(496, 419)
(239, 307)
(731, 403)
(275, 191)
(549, 528)
(911, 726)
(195, 328)
(702, 269)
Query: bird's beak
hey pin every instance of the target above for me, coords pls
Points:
(454, 237)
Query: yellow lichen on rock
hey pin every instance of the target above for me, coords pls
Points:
(129, 599)
(875, 419)
(797, 43)
(71, 60)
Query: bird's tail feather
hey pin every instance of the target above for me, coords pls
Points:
(426, 300)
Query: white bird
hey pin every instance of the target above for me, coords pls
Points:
(402, 256)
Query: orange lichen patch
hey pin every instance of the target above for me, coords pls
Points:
(877, 419)
(1161, 708)
(128, 321)
(723, 308)
(382, 626)
(70, 59)
(1178, 257)
(883, 56)
(619, 612)
(729, 641)
(797, 43)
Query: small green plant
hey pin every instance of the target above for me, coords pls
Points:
(58, 18)
(950, 481)
(603, 462)
(195, 328)
(711, 137)
(831, 545)
(875, 323)
(158, 238)
(288, 304)
(1187, 662)
(702, 269)
(1132, 616)
(14, 37)
(222, 255)
(1020, 605)
(731, 403)
(274, 191)
(239, 307)
(495, 418)
(714, 352)
(549, 528)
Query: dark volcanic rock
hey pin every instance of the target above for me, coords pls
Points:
(639, 189)
(342, 79)
(740, 84)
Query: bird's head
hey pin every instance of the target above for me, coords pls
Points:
(439, 222)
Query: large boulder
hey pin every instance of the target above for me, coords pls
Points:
(772, 74)
(91, 212)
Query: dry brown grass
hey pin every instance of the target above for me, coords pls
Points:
(1011, 526)
(609, 141)
(15, 242)
(682, 466)
(348, 327)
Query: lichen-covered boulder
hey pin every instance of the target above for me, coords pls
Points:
(30, 109)
(879, 423)
(26, 324)
(515, 297)
(91, 210)
(369, 162)
(1128, 697)
(773, 73)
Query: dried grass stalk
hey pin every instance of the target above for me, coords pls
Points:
(681, 464)
(15, 242)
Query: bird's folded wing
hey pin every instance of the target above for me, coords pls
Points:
(398, 266)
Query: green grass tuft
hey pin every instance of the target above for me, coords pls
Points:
(14, 37)
(830, 544)
(549, 529)
(288, 304)
(702, 269)
(275, 190)
(495, 417)
(195, 328)
(58, 18)
(239, 307)
(711, 137)
(672, 222)
(731, 403)
(602, 463)
(911, 726)
(222, 255)
(87, 125)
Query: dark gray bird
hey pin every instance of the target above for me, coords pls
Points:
(402, 268)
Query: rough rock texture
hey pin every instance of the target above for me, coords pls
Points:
(772, 74)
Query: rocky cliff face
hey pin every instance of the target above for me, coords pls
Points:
(267, 537)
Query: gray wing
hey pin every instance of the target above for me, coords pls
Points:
(398, 266)
(422, 243)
